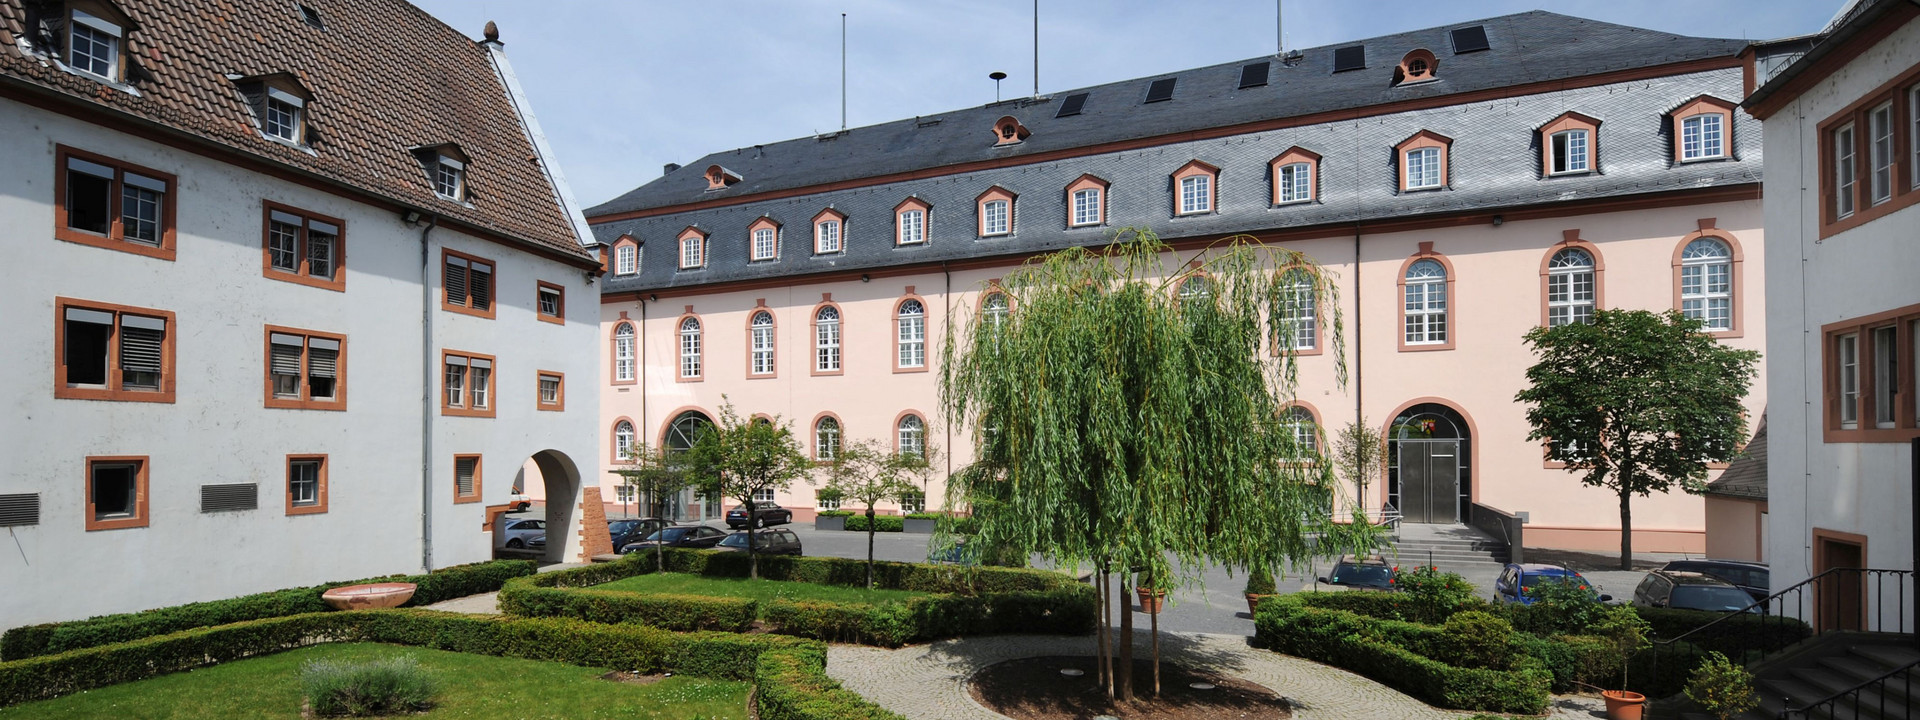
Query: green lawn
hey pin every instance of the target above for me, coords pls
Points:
(472, 686)
(685, 584)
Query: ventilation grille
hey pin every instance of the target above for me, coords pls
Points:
(1470, 39)
(229, 498)
(20, 509)
(1350, 58)
(1072, 106)
(1253, 75)
(1161, 90)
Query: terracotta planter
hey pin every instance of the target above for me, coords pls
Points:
(1253, 601)
(1151, 600)
(369, 597)
(1624, 704)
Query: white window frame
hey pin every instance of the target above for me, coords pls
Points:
(1884, 343)
(1913, 139)
(826, 441)
(911, 340)
(554, 381)
(623, 353)
(622, 440)
(1706, 284)
(626, 259)
(1880, 157)
(1703, 137)
(996, 217)
(766, 243)
(1196, 194)
(690, 355)
(110, 36)
(1422, 168)
(1296, 182)
(826, 237)
(1571, 150)
(1086, 207)
(761, 360)
(1847, 362)
(1425, 306)
(1570, 288)
(450, 179)
(1304, 325)
(272, 126)
(693, 253)
(826, 340)
(1845, 172)
(911, 431)
(1305, 431)
(303, 481)
(913, 226)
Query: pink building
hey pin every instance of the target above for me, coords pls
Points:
(1465, 183)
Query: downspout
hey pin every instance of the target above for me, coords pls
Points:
(427, 370)
(946, 299)
(1359, 374)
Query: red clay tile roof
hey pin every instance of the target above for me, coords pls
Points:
(385, 76)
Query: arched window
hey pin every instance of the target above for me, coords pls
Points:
(1570, 287)
(826, 439)
(761, 328)
(912, 337)
(685, 430)
(622, 441)
(1297, 321)
(1426, 302)
(1706, 283)
(993, 310)
(690, 348)
(1304, 430)
(826, 340)
(623, 353)
(913, 436)
(1198, 286)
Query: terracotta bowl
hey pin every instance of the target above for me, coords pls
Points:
(369, 597)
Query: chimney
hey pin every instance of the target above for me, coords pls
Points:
(668, 170)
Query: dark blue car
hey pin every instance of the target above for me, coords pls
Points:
(1516, 579)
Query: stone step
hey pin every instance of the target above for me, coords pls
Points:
(1889, 656)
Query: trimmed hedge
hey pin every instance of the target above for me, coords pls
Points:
(1402, 655)
(443, 584)
(790, 673)
(1734, 637)
(881, 523)
(919, 577)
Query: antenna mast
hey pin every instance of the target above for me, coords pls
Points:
(1036, 48)
(1279, 39)
(843, 71)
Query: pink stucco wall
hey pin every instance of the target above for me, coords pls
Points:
(1497, 297)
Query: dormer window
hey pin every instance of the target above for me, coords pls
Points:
(85, 37)
(93, 45)
(1568, 145)
(446, 168)
(719, 178)
(1193, 186)
(1700, 129)
(1294, 172)
(1423, 161)
(693, 249)
(1417, 67)
(994, 211)
(279, 104)
(829, 232)
(1086, 202)
(1008, 131)
(283, 115)
(910, 221)
(763, 240)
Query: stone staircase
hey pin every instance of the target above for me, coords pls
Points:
(1830, 664)
(1448, 546)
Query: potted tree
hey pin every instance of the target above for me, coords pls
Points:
(1152, 596)
(1626, 634)
(1259, 585)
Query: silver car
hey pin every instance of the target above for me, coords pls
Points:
(517, 533)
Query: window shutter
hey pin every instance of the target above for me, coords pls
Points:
(323, 357)
(140, 341)
(456, 280)
(481, 282)
(286, 354)
(463, 475)
(230, 497)
(19, 509)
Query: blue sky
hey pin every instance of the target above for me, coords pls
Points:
(623, 86)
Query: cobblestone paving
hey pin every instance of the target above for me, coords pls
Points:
(928, 682)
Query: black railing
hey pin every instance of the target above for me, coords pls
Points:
(1871, 696)
(1841, 599)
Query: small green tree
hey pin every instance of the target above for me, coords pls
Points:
(654, 474)
(1636, 402)
(1357, 450)
(739, 458)
(1721, 687)
(868, 472)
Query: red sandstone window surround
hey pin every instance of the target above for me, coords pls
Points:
(466, 479)
(762, 332)
(112, 352)
(626, 256)
(550, 302)
(1708, 283)
(693, 248)
(1424, 161)
(468, 283)
(1570, 145)
(1427, 302)
(1417, 66)
(1087, 201)
(110, 204)
(305, 369)
(551, 391)
(994, 210)
(116, 492)
(829, 232)
(1196, 189)
(622, 349)
(763, 240)
(1870, 379)
(466, 384)
(1296, 176)
(306, 484)
(912, 222)
(1702, 130)
(303, 247)
(1870, 156)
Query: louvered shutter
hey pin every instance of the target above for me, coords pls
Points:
(463, 469)
(480, 283)
(323, 357)
(140, 342)
(456, 280)
(286, 354)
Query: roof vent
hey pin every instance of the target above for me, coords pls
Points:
(719, 178)
(926, 123)
(669, 168)
(1253, 75)
(1161, 90)
(1350, 58)
(1072, 106)
(1470, 39)
(311, 16)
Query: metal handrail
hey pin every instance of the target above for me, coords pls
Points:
(1833, 701)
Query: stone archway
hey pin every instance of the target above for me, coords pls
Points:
(560, 478)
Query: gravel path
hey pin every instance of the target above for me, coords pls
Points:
(928, 682)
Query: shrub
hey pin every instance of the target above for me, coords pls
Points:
(1721, 688)
(1434, 595)
(834, 513)
(1259, 581)
(920, 577)
(377, 687)
(668, 612)
(1738, 637)
(1560, 607)
(881, 523)
(923, 516)
(1478, 640)
(442, 584)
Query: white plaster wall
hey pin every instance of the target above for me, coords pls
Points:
(218, 431)
(1861, 488)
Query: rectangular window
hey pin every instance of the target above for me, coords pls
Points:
(553, 391)
(1086, 207)
(1426, 311)
(302, 247)
(764, 245)
(1880, 157)
(993, 218)
(466, 478)
(763, 497)
(827, 237)
(1301, 319)
(1846, 353)
(913, 227)
(466, 387)
(1570, 151)
(450, 178)
(305, 369)
(116, 492)
(1701, 136)
(1296, 182)
(469, 284)
(551, 301)
(282, 118)
(1886, 376)
(913, 501)
(626, 260)
(106, 203)
(1913, 137)
(1196, 194)
(1423, 168)
(93, 46)
(113, 352)
(306, 484)
(692, 253)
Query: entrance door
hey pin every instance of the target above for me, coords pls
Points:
(1841, 596)
(1430, 481)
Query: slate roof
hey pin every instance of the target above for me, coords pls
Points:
(385, 76)
(1526, 48)
(1746, 476)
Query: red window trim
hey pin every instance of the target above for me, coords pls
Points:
(1737, 271)
(300, 276)
(561, 402)
(493, 285)
(1570, 120)
(140, 479)
(561, 306)
(899, 228)
(679, 248)
(339, 401)
(926, 331)
(317, 508)
(1571, 239)
(115, 238)
(113, 391)
(704, 354)
(1088, 181)
(1424, 139)
(980, 211)
(613, 351)
(1295, 154)
(459, 499)
(760, 306)
(1904, 191)
(1906, 426)
(1453, 301)
(1195, 168)
(763, 223)
(813, 342)
(814, 227)
(493, 384)
(1703, 105)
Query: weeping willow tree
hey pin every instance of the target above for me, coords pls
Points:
(1129, 416)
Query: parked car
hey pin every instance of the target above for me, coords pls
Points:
(1367, 573)
(515, 533)
(697, 537)
(518, 502)
(623, 532)
(1516, 579)
(768, 542)
(537, 542)
(763, 515)
(1681, 590)
(1752, 577)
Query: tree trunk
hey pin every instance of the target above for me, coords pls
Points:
(1156, 645)
(870, 530)
(753, 551)
(1126, 639)
(1626, 527)
(1101, 609)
